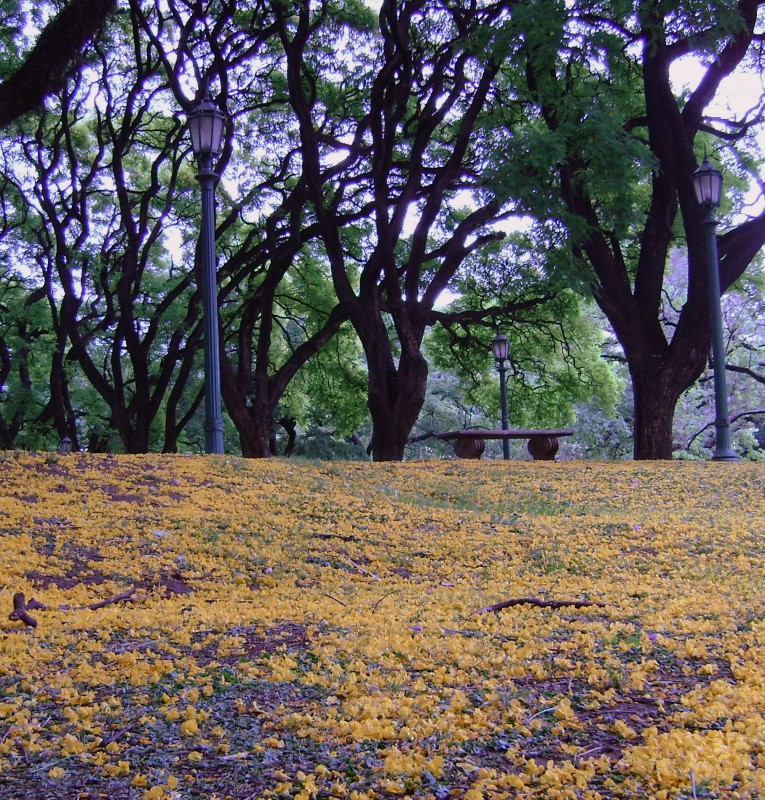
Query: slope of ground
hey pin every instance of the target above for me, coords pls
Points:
(209, 627)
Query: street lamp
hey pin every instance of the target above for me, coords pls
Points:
(707, 182)
(206, 124)
(499, 348)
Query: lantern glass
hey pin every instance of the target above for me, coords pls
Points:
(707, 182)
(206, 124)
(499, 347)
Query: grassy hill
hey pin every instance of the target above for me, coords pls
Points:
(210, 627)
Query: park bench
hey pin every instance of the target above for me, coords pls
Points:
(470, 443)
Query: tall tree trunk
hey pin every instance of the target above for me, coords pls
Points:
(255, 438)
(139, 439)
(661, 372)
(655, 397)
(416, 146)
(395, 397)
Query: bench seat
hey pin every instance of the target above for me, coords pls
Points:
(542, 444)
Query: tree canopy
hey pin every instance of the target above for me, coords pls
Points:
(619, 144)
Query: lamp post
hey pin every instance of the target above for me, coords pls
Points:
(499, 348)
(206, 123)
(707, 182)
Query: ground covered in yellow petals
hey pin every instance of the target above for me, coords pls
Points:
(209, 627)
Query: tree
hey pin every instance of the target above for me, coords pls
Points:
(275, 311)
(613, 147)
(600, 433)
(423, 90)
(98, 177)
(554, 363)
(555, 347)
(381, 156)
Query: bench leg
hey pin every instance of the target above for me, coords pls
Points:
(543, 448)
(469, 448)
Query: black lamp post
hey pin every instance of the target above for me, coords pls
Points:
(206, 124)
(499, 348)
(707, 182)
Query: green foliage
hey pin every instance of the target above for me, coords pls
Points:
(575, 108)
(554, 364)
(330, 391)
(11, 24)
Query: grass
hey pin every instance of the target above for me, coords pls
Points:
(308, 630)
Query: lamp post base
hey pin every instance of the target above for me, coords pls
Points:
(723, 448)
(725, 457)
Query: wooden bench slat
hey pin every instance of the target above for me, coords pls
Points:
(480, 433)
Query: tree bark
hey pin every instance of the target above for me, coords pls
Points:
(654, 399)
(395, 397)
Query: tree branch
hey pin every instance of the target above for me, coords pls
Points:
(533, 601)
(58, 48)
(746, 371)
(741, 415)
(21, 608)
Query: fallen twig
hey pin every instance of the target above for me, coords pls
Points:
(537, 603)
(113, 738)
(21, 608)
(362, 570)
(455, 632)
(376, 605)
(332, 597)
(117, 598)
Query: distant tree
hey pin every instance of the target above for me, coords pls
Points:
(554, 366)
(602, 433)
(328, 394)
